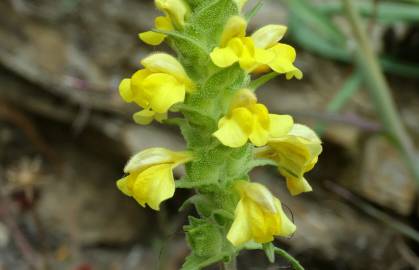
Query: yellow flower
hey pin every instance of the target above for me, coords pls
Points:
(295, 153)
(150, 177)
(152, 38)
(176, 10)
(175, 13)
(162, 83)
(258, 216)
(249, 120)
(257, 53)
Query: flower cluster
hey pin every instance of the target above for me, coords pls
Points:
(226, 130)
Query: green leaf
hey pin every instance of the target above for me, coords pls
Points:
(194, 4)
(192, 53)
(204, 237)
(203, 205)
(207, 23)
(237, 162)
(214, 97)
(194, 262)
(207, 166)
(222, 217)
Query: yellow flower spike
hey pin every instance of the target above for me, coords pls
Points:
(153, 38)
(249, 120)
(235, 27)
(156, 88)
(295, 153)
(176, 10)
(258, 216)
(150, 178)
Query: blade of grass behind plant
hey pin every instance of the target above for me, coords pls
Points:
(313, 42)
(254, 10)
(388, 12)
(380, 91)
(374, 212)
(315, 20)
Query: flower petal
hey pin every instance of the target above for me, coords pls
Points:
(235, 27)
(268, 35)
(152, 38)
(298, 185)
(264, 56)
(230, 133)
(283, 62)
(260, 129)
(240, 231)
(155, 156)
(125, 90)
(280, 125)
(257, 193)
(163, 23)
(164, 90)
(144, 117)
(243, 98)
(247, 57)
(154, 185)
(165, 63)
(224, 57)
(176, 10)
(286, 227)
(140, 96)
(125, 184)
(149, 157)
(305, 132)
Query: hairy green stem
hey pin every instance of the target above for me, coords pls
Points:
(380, 91)
(294, 263)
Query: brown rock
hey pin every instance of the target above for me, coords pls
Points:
(385, 178)
(82, 202)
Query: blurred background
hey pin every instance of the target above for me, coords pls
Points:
(65, 135)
